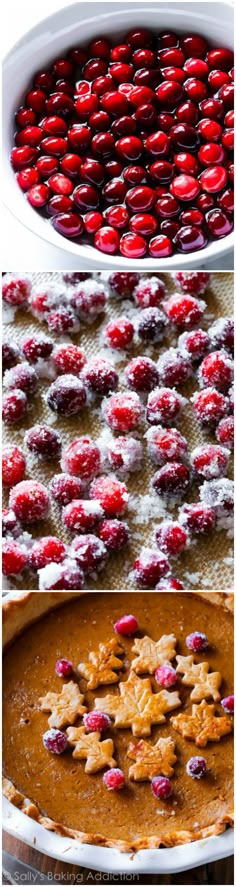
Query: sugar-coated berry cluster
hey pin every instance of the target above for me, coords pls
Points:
(129, 147)
(90, 478)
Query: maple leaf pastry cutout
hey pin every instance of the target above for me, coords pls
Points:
(102, 665)
(137, 706)
(202, 725)
(205, 685)
(151, 653)
(88, 746)
(65, 706)
(151, 760)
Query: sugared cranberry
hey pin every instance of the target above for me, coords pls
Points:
(114, 779)
(64, 488)
(125, 454)
(30, 501)
(184, 310)
(122, 284)
(69, 359)
(166, 676)
(66, 395)
(81, 516)
(43, 441)
(114, 533)
(149, 292)
(10, 524)
(228, 704)
(197, 641)
(100, 376)
(61, 321)
(197, 518)
(89, 552)
(196, 767)
(14, 406)
(122, 411)
(171, 480)
(209, 406)
(141, 374)
(174, 368)
(164, 405)
(225, 432)
(23, 377)
(55, 741)
(165, 444)
(44, 551)
(111, 494)
(216, 370)
(96, 720)
(195, 344)
(10, 354)
(149, 567)
(171, 538)
(209, 461)
(151, 325)
(63, 668)
(46, 297)
(193, 282)
(67, 575)
(119, 333)
(161, 787)
(81, 458)
(88, 300)
(126, 625)
(14, 557)
(16, 289)
(13, 465)
(38, 347)
(219, 494)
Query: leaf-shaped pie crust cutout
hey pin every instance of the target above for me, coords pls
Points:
(151, 760)
(65, 706)
(101, 666)
(205, 684)
(137, 706)
(151, 653)
(88, 746)
(202, 725)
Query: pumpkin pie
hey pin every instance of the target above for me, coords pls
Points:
(120, 738)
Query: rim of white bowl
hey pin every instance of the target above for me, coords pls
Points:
(42, 227)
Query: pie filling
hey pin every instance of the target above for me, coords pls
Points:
(59, 784)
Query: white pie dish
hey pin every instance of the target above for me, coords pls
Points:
(166, 860)
(57, 33)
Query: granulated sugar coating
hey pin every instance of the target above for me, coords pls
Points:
(207, 559)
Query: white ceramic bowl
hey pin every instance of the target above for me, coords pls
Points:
(78, 24)
(108, 859)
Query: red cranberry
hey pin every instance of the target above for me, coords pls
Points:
(104, 84)
(213, 179)
(210, 130)
(35, 99)
(100, 48)
(14, 406)
(173, 73)
(79, 138)
(140, 198)
(165, 444)
(122, 411)
(126, 625)
(93, 221)
(220, 58)
(27, 177)
(122, 283)
(133, 246)
(118, 217)
(209, 406)
(54, 126)
(142, 94)
(188, 113)
(10, 354)
(46, 551)
(184, 136)
(186, 163)
(170, 93)
(114, 779)
(184, 310)
(167, 207)
(13, 465)
(129, 148)
(81, 458)
(60, 576)
(100, 121)
(196, 90)
(100, 376)
(171, 480)
(111, 494)
(38, 195)
(143, 58)
(25, 117)
(140, 38)
(95, 68)
(122, 72)
(107, 240)
(59, 204)
(54, 145)
(69, 359)
(64, 488)
(197, 518)
(92, 172)
(30, 501)
(68, 224)
(228, 139)
(125, 454)
(119, 333)
(114, 534)
(43, 441)
(121, 53)
(193, 45)
(171, 56)
(209, 461)
(86, 105)
(149, 567)
(217, 79)
(59, 103)
(60, 184)
(213, 108)
(114, 191)
(46, 166)
(165, 40)
(185, 187)
(158, 144)
(191, 217)
(141, 374)
(229, 119)
(196, 67)
(23, 157)
(216, 370)
(161, 171)
(151, 325)
(114, 103)
(225, 432)
(81, 516)
(66, 395)
(134, 175)
(160, 246)
(165, 121)
(218, 224)
(86, 197)
(195, 344)
(143, 223)
(205, 202)
(171, 538)
(14, 557)
(190, 238)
